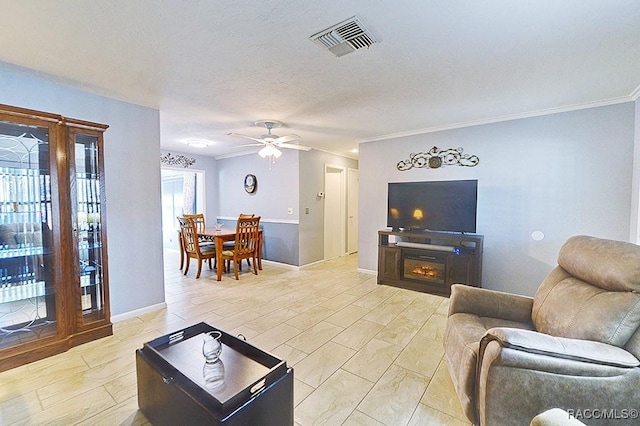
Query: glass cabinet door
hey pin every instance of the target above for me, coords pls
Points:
(53, 253)
(28, 295)
(88, 224)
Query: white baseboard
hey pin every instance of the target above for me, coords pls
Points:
(297, 268)
(283, 265)
(367, 271)
(318, 262)
(138, 312)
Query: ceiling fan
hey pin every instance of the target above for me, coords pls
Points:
(271, 142)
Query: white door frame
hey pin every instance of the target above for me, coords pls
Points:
(352, 210)
(341, 233)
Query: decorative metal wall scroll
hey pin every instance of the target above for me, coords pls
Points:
(177, 160)
(436, 158)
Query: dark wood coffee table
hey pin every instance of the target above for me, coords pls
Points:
(246, 387)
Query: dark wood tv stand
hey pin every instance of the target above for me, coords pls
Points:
(429, 261)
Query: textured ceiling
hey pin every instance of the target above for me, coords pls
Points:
(213, 67)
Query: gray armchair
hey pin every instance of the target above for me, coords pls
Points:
(575, 345)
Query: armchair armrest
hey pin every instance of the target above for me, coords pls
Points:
(560, 347)
(523, 372)
(490, 303)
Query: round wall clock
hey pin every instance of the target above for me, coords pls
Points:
(435, 162)
(250, 183)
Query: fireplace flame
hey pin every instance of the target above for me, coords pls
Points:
(425, 271)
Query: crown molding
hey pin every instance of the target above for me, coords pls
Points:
(612, 101)
(353, 156)
(635, 94)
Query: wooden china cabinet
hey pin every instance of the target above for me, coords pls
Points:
(53, 251)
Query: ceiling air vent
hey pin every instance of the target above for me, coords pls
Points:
(345, 37)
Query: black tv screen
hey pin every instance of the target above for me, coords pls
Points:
(434, 205)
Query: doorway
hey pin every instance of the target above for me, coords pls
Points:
(334, 211)
(352, 211)
(340, 211)
(182, 192)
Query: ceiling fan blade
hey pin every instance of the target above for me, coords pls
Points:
(287, 138)
(294, 146)
(250, 144)
(246, 137)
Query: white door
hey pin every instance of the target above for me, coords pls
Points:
(334, 212)
(352, 211)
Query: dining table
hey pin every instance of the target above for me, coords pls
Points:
(223, 234)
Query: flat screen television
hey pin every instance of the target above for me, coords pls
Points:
(434, 205)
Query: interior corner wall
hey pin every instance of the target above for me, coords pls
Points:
(132, 180)
(563, 174)
(312, 166)
(277, 190)
(635, 195)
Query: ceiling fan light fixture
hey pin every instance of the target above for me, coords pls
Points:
(270, 144)
(270, 151)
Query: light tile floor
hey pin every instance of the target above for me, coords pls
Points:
(362, 353)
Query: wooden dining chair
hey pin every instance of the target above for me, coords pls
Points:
(198, 219)
(194, 248)
(182, 221)
(228, 245)
(246, 243)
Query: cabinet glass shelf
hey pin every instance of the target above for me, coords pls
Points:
(25, 290)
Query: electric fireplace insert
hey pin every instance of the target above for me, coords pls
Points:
(419, 267)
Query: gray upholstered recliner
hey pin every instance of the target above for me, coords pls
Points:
(575, 345)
